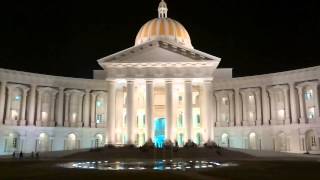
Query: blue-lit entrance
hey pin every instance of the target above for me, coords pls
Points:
(159, 132)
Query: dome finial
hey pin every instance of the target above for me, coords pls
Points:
(162, 9)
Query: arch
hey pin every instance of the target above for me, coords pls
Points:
(71, 142)
(12, 142)
(99, 140)
(252, 143)
(311, 140)
(225, 140)
(281, 142)
(43, 142)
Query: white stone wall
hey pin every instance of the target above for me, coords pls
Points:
(269, 112)
(275, 108)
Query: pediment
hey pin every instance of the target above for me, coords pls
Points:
(158, 52)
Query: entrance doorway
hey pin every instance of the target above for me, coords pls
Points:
(159, 132)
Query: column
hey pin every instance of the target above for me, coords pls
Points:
(218, 114)
(265, 106)
(301, 104)
(169, 105)
(93, 111)
(238, 107)
(149, 108)
(31, 105)
(8, 107)
(188, 109)
(52, 108)
(244, 108)
(86, 108)
(38, 121)
(2, 100)
(206, 121)
(231, 109)
(111, 112)
(274, 118)
(287, 105)
(130, 113)
(258, 107)
(293, 103)
(59, 109)
(80, 105)
(23, 108)
(316, 100)
(66, 110)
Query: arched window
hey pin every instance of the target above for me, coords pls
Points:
(225, 140)
(71, 142)
(98, 140)
(12, 142)
(252, 141)
(43, 143)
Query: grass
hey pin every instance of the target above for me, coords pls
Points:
(262, 170)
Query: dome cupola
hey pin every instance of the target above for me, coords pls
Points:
(163, 28)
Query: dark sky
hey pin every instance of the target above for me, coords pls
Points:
(66, 38)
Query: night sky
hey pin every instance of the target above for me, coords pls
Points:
(66, 38)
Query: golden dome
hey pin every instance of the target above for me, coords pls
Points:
(163, 28)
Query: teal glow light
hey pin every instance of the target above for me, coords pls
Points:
(159, 132)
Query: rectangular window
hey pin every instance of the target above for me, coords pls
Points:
(180, 120)
(311, 113)
(99, 118)
(308, 94)
(225, 101)
(198, 119)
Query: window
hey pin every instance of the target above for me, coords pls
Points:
(18, 98)
(311, 113)
(225, 101)
(281, 113)
(308, 94)
(99, 118)
(14, 143)
(180, 98)
(313, 141)
(99, 103)
(251, 98)
(198, 119)
(180, 120)
(251, 115)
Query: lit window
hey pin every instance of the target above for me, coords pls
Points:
(225, 101)
(14, 142)
(18, 98)
(308, 94)
(99, 103)
(251, 115)
(313, 141)
(251, 98)
(281, 113)
(44, 115)
(99, 118)
(198, 119)
(311, 113)
(180, 120)
(74, 116)
(224, 117)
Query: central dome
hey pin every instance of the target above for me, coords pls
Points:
(163, 28)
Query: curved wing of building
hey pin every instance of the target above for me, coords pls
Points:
(160, 90)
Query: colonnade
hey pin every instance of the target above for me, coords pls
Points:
(49, 106)
(267, 105)
(170, 109)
